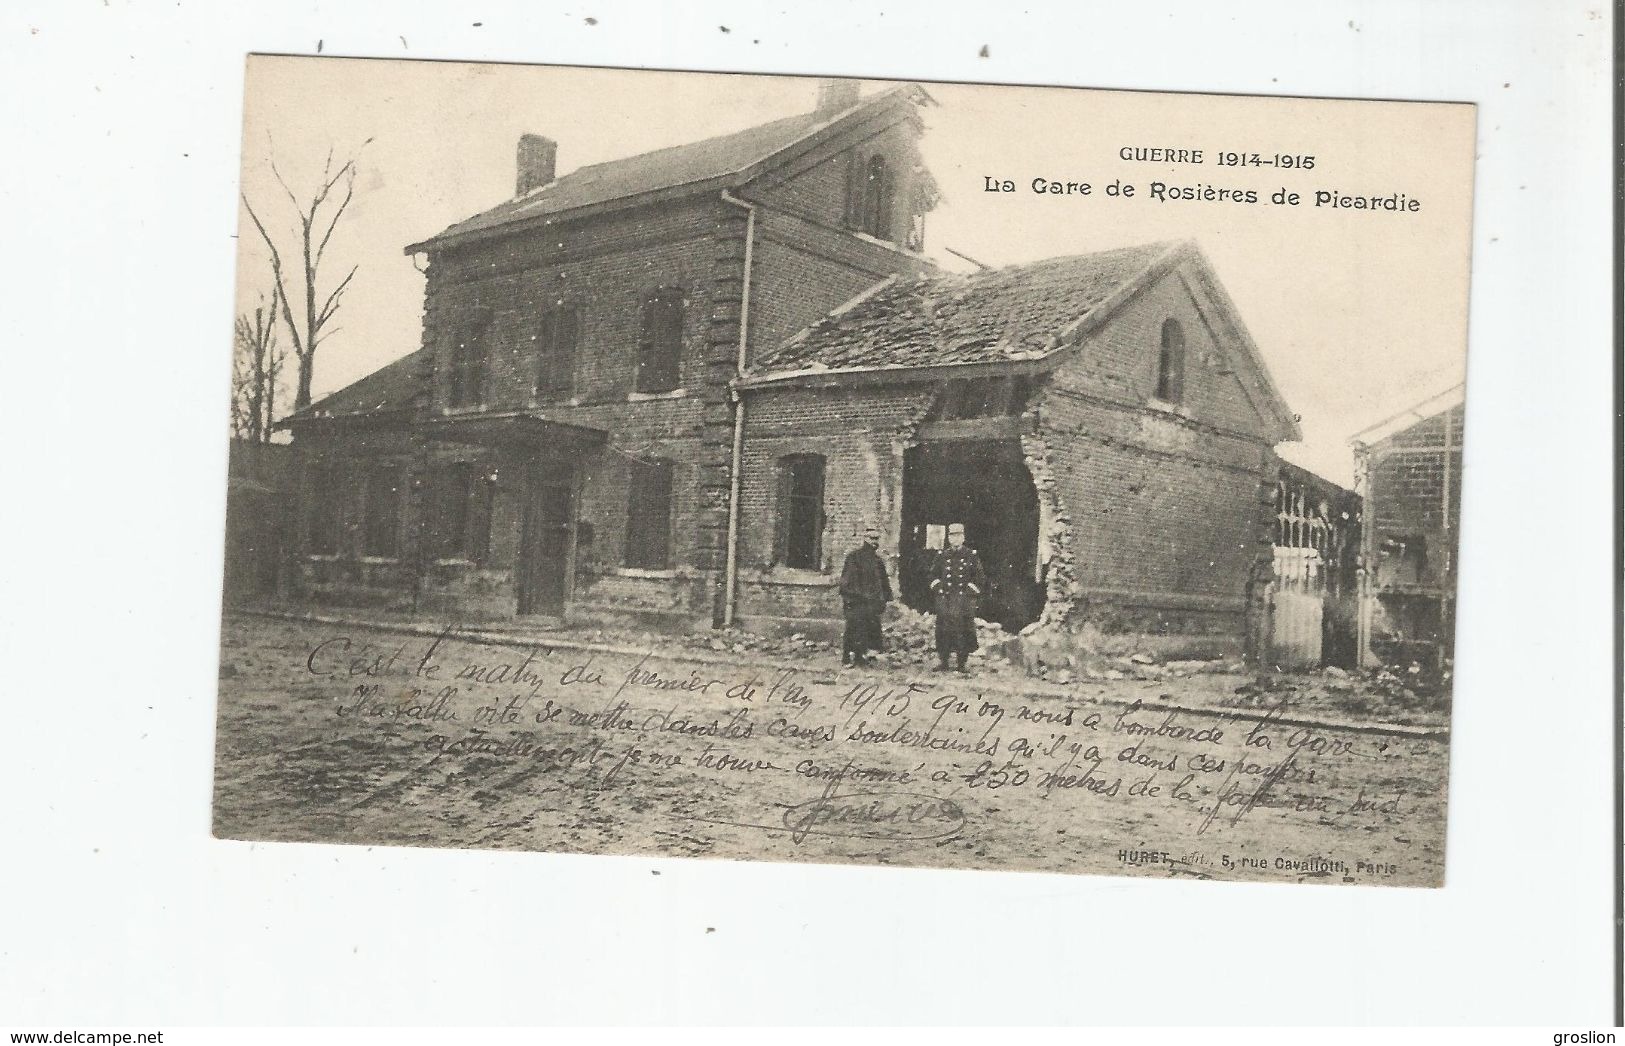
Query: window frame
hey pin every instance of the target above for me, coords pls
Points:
(1171, 358)
(460, 492)
(673, 301)
(556, 366)
(469, 370)
(792, 504)
(877, 179)
(649, 531)
(388, 525)
(324, 512)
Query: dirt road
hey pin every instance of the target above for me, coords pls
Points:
(337, 734)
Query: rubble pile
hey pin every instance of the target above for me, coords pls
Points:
(738, 641)
(1413, 684)
(1067, 663)
(908, 631)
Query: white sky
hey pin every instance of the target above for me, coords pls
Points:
(1358, 314)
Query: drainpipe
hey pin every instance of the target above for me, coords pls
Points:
(1363, 612)
(730, 572)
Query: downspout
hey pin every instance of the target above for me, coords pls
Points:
(730, 571)
(1363, 612)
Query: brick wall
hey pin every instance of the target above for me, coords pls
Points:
(1122, 357)
(1413, 502)
(603, 268)
(860, 432)
(815, 186)
(801, 272)
(1163, 503)
(351, 577)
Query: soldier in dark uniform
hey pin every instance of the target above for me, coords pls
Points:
(957, 582)
(865, 591)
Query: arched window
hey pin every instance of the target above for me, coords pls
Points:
(801, 512)
(877, 193)
(1171, 363)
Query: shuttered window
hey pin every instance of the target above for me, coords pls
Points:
(648, 515)
(660, 341)
(853, 218)
(460, 513)
(467, 379)
(381, 536)
(556, 353)
(324, 510)
(869, 185)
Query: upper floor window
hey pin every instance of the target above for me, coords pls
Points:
(660, 341)
(468, 362)
(1171, 363)
(648, 515)
(877, 191)
(869, 195)
(556, 353)
(801, 512)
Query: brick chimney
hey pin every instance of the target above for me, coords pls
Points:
(835, 95)
(537, 158)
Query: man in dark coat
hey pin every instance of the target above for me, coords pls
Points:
(865, 591)
(957, 582)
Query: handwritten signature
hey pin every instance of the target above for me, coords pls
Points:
(874, 815)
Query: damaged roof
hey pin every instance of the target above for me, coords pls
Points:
(729, 160)
(392, 387)
(1020, 317)
(997, 315)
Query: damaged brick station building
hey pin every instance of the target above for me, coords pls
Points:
(676, 388)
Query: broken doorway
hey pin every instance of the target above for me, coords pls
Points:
(985, 485)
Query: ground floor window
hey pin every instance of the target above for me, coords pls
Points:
(324, 510)
(460, 513)
(801, 512)
(382, 533)
(648, 515)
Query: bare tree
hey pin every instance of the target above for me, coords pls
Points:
(315, 231)
(256, 371)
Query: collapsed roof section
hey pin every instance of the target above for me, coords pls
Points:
(1023, 318)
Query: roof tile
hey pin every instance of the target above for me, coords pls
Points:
(1014, 313)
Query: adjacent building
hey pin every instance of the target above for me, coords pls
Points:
(1408, 472)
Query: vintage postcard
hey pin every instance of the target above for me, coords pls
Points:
(775, 468)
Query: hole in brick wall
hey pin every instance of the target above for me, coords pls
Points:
(985, 485)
